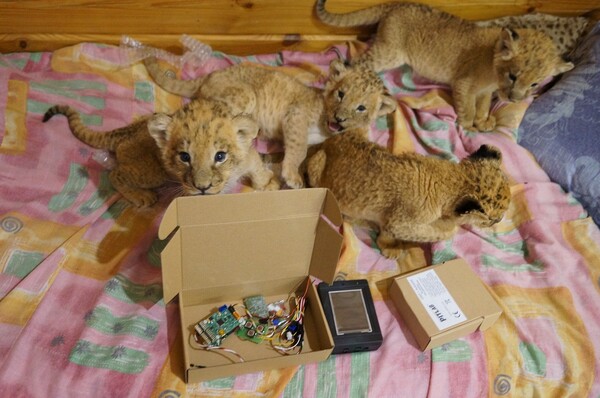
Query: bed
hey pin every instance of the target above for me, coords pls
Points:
(81, 306)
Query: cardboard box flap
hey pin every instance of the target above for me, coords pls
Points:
(277, 230)
(171, 267)
(219, 209)
(331, 209)
(323, 253)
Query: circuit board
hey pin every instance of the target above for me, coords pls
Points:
(256, 306)
(212, 330)
(251, 332)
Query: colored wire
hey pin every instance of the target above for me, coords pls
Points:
(200, 346)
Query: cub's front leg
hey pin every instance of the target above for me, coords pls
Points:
(388, 244)
(262, 178)
(295, 139)
(400, 230)
(464, 103)
(483, 120)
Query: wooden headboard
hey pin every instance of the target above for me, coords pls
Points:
(234, 26)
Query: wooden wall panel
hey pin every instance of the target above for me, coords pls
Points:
(33, 25)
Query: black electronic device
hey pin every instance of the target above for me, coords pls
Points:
(350, 313)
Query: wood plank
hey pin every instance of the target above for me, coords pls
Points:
(34, 25)
(232, 44)
(227, 17)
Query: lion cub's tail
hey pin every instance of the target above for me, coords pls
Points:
(368, 16)
(101, 140)
(184, 88)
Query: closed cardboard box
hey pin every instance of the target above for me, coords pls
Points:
(443, 302)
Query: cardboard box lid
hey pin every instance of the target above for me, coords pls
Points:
(227, 240)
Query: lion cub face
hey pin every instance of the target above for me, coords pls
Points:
(489, 198)
(354, 97)
(203, 146)
(523, 60)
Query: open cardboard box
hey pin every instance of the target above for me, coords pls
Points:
(443, 302)
(225, 248)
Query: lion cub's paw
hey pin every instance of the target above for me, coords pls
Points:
(267, 181)
(394, 253)
(141, 198)
(273, 184)
(486, 125)
(293, 180)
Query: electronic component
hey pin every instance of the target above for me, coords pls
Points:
(256, 306)
(250, 334)
(218, 325)
(350, 313)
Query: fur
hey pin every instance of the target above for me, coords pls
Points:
(564, 31)
(410, 197)
(201, 146)
(474, 61)
(286, 109)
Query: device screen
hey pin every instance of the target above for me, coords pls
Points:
(349, 312)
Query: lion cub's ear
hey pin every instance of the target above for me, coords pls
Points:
(158, 127)
(486, 152)
(466, 205)
(246, 129)
(562, 67)
(507, 44)
(388, 104)
(337, 69)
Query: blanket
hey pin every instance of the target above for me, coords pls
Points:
(81, 307)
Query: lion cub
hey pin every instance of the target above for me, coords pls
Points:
(410, 197)
(286, 109)
(564, 31)
(200, 146)
(474, 61)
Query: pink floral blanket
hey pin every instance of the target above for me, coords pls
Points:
(81, 307)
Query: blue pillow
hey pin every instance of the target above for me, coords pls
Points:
(561, 128)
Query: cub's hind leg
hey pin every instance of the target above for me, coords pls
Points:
(138, 196)
(385, 53)
(381, 56)
(136, 176)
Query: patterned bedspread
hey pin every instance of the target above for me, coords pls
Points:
(81, 308)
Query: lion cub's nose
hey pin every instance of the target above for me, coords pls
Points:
(204, 189)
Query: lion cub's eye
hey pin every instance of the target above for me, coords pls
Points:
(340, 94)
(220, 156)
(185, 157)
(361, 108)
(534, 85)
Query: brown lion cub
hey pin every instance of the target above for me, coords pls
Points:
(474, 61)
(410, 197)
(200, 146)
(286, 109)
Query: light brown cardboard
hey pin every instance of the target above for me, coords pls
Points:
(470, 294)
(224, 248)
